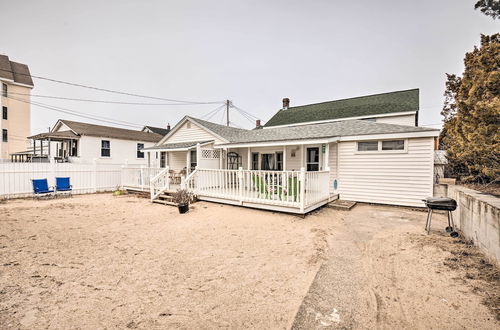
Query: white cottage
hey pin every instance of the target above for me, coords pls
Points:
(296, 166)
(77, 142)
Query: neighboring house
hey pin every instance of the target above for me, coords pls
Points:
(157, 130)
(400, 107)
(77, 142)
(16, 87)
(359, 160)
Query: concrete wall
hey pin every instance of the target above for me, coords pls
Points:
(478, 218)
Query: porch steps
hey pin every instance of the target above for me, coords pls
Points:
(341, 205)
(165, 198)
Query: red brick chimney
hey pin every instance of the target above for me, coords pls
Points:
(257, 123)
(286, 103)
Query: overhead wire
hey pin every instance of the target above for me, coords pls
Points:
(107, 90)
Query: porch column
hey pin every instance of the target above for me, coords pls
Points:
(284, 158)
(249, 158)
(198, 154)
(188, 161)
(48, 150)
(149, 158)
(302, 164)
(326, 158)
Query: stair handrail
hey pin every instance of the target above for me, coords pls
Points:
(185, 184)
(155, 180)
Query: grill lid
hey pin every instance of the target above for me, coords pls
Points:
(442, 203)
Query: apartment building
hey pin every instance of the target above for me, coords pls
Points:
(15, 122)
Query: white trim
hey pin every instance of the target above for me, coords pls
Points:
(179, 125)
(342, 119)
(274, 143)
(389, 136)
(22, 85)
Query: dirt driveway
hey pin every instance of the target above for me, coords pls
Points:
(99, 261)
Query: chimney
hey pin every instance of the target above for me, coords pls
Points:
(286, 103)
(168, 126)
(257, 123)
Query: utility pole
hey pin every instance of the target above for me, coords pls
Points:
(227, 112)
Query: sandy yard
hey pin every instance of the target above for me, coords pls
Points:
(99, 261)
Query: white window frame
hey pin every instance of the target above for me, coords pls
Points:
(137, 151)
(109, 141)
(380, 151)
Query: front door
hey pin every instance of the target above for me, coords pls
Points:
(312, 159)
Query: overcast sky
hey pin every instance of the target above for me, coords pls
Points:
(251, 52)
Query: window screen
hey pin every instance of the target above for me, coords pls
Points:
(368, 146)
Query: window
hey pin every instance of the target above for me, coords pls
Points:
(255, 160)
(368, 146)
(105, 148)
(4, 90)
(163, 158)
(267, 162)
(193, 160)
(4, 113)
(140, 153)
(5, 136)
(279, 161)
(312, 159)
(393, 145)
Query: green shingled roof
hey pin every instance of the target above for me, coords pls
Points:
(369, 105)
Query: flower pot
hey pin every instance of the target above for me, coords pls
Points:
(183, 208)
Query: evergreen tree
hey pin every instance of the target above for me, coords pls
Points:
(471, 132)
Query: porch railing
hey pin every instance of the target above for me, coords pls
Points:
(137, 177)
(297, 189)
(159, 183)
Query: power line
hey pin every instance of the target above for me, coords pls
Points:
(246, 112)
(78, 114)
(97, 101)
(108, 90)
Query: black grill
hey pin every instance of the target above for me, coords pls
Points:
(441, 203)
(444, 204)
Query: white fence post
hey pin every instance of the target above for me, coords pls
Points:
(122, 177)
(302, 188)
(142, 178)
(94, 175)
(52, 170)
(240, 184)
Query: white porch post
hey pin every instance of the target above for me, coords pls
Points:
(198, 155)
(188, 161)
(249, 158)
(302, 189)
(326, 158)
(302, 164)
(284, 158)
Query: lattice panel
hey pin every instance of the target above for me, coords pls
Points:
(210, 154)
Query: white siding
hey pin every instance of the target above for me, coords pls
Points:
(177, 160)
(332, 163)
(191, 134)
(122, 151)
(408, 120)
(387, 178)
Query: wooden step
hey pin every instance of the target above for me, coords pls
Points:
(341, 204)
(164, 202)
(164, 196)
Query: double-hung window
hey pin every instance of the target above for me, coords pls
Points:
(5, 135)
(140, 153)
(279, 161)
(4, 113)
(4, 90)
(105, 148)
(312, 159)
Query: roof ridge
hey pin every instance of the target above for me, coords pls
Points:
(354, 97)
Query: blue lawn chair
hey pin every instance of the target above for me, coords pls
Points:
(41, 187)
(63, 185)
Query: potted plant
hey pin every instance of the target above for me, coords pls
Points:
(117, 191)
(182, 198)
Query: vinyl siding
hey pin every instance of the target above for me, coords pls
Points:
(408, 120)
(387, 178)
(192, 134)
(332, 163)
(177, 160)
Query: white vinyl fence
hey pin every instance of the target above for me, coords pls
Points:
(15, 178)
